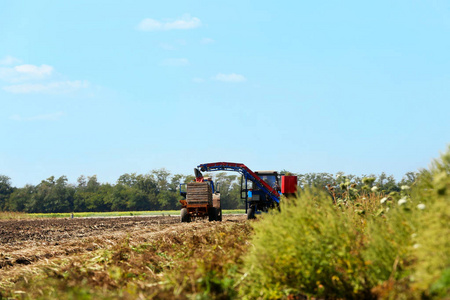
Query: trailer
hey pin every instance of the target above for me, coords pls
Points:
(201, 200)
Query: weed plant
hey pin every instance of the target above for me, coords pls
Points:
(431, 240)
(364, 244)
(311, 247)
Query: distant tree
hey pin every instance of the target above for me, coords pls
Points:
(53, 196)
(160, 190)
(81, 182)
(234, 198)
(92, 184)
(167, 200)
(41, 201)
(138, 200)
(103, 200)
(121, 194)
(127, 179)
(319, 180)
(162, 178)
(20, 199)
(409, 179)
(227, 185)
(387, 184)
(189, 178)
(6, 190)
(175, 182)
(64, 195)
(167, 195)
(146, 183)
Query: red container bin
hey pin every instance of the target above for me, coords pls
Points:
(288, 184)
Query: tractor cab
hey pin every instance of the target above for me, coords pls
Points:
(257, 198)
(271, 178)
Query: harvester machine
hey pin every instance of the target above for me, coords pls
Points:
(261, 190)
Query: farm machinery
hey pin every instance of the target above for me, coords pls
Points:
(261, 191)
(201, 199)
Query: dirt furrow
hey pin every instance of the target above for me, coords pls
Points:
(32, 243)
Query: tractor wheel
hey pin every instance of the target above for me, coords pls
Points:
(219, 215)
(185, 215)
(212, 214)
(251, 213)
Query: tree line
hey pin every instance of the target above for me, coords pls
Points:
(157, 190)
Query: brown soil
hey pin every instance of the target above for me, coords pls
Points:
(26, 244)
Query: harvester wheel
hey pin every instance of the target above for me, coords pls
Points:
(251, 213)
(185, 215)
(212, 214)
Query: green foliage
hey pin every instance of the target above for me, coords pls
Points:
(52, 196)
(154, 191)
(368, 181)
(373, 245)
(158, 190)
(319, 180)
(388, 243)
(230, 190)
(5, 190)
(309, 248)
(431, 201)
(19, 199)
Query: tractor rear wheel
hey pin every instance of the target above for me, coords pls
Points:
(212, 214)
(185, 217)
(251, 213)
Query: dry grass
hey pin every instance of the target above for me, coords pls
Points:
(9, 215)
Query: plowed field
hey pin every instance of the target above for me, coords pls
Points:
(25, 244)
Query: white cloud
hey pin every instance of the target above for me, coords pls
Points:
(185, 22)
(198, 80)
(207, 41)
(34, 71)
(175, 62)
(230, 77)
(47, 117)
(56, 87)
(25, 72)
(9, 60)
(34, 79)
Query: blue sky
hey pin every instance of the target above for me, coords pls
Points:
(108, 87)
